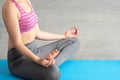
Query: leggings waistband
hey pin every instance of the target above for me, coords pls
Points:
(14, 54)
(28, 45)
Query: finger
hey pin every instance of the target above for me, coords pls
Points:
(50, 61)
(46, 64)
(45, 61)
(57, 51)
(48, 56)
(54, 61)
(76, 30)
(54, 53)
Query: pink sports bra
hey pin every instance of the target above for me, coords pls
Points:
(27, 20)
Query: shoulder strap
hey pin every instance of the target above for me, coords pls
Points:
(17, 5)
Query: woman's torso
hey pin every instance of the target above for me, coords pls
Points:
(27, 36)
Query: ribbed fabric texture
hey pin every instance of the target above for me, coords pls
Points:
(28, 19)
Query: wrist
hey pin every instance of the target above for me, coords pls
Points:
(62, 36)
(65, 36)
(36, 59)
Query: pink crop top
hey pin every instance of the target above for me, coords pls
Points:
(27, 20)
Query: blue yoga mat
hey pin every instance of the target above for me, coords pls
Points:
(78, 70)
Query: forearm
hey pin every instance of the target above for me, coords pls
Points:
(49, 36)
(26, 52)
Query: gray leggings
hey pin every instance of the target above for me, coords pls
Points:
(25, 68)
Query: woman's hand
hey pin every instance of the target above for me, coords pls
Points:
(54, 53)
(72, 32)
(46, 61)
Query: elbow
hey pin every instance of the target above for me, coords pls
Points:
(18, 44)
(38, 35)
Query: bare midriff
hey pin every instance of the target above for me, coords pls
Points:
(27, 37)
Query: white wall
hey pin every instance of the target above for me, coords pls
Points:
(99, 22)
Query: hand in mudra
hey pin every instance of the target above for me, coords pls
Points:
(54, 53)
(46, 61)
(49, 59)
(72, 32)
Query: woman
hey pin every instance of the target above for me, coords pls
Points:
(25, 59)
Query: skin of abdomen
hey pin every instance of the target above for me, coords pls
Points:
(27, 37)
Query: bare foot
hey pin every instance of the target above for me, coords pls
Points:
(54, 53)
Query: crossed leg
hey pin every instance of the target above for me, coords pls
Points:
(61, 50)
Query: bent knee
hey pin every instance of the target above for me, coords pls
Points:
(74, 40)
(53, 73)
